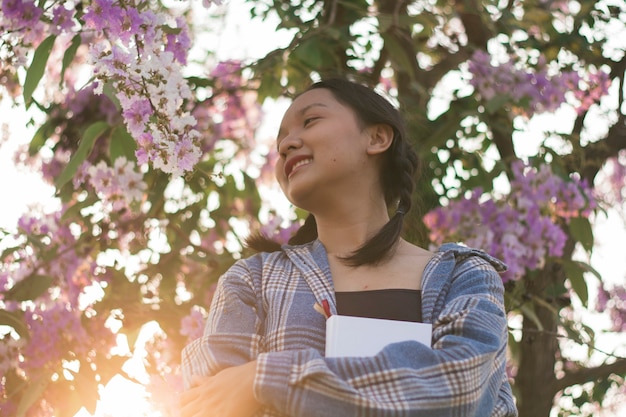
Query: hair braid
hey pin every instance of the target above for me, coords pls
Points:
(398, 181)
(306, 233)
(406, 165)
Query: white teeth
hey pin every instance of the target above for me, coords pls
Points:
(300, 163)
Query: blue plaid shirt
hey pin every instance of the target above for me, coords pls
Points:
(263, 310)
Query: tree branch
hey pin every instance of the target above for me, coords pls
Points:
(475, 29)
(591, 158)
(402, 34)
(582, 375)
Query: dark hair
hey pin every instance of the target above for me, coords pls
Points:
(397, 174)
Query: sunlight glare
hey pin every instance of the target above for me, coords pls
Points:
(122, 398)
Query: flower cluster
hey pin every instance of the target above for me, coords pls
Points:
(141, 54)
(137, 51)
(71, 269)
(55, 331)
(613, 300)
(9, 354)
(536, 91)
(522, 228)
(273, 229)
(192, 325)
(610, 183)
(20, 30)
(52, 302)
(235, 109)
(24, 24)
(117, 187)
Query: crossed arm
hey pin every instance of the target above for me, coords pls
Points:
(227, 394)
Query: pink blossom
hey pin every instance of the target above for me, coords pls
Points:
(273, 229)
(535, 91)
(145, 71)
(137, 114)
(207, 3)
(179, 43)
(105, 15)
(22, 12)
(519, 229)
(119, 186)
(55, 333)
(227, 75)
(62, 19)
(613, 301)
(192, 325)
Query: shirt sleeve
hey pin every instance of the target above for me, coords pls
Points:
(232, 332)
(462, 375)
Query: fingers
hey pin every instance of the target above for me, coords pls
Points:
(197, 380)
(191, 400)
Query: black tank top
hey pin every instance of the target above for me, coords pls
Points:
(391, 304)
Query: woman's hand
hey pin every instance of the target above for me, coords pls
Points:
(229, 393)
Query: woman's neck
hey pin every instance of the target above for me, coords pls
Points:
(342, 235)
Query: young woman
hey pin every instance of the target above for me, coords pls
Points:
(344, 158)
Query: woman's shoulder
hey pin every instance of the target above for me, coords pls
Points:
(459, 253)
(457, 271)
(279, 257)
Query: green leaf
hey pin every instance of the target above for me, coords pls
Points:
(580, 228)
(576, 277)
(122, 144)
(309, 53)
(588, 268)
(37, 68)
(73, 210)
(496, 103)
(168, 30)
(40, 137)
(109, 91)
(132, 335)
(86, 384)
(85, 146)
(32, 393)
(69, 55)
(397, 52)
(199, 81)
(251, 194)
(528, 310)
(15, 320)
(29, 288)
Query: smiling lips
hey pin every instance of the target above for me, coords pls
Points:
(295, 163)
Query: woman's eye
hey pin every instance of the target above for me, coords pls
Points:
(309, 120)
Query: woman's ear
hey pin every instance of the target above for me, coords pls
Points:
(380, 138)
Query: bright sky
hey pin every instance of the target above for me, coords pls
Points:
(241, 39)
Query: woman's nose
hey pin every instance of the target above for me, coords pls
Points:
(288, 144)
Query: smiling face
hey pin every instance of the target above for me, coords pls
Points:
(324, 150)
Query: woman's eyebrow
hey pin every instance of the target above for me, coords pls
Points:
(308, 107)
(301, 112)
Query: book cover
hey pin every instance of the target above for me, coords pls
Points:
(363, 336)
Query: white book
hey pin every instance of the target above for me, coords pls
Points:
(363, 336)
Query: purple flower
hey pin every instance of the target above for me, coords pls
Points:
(187, 152)
(55, 333)
(137, 114)
(23, 12)
(62, 20)
(227, 74)
(179, 43)
(521, 229)
(105, 15)
(192, 325)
